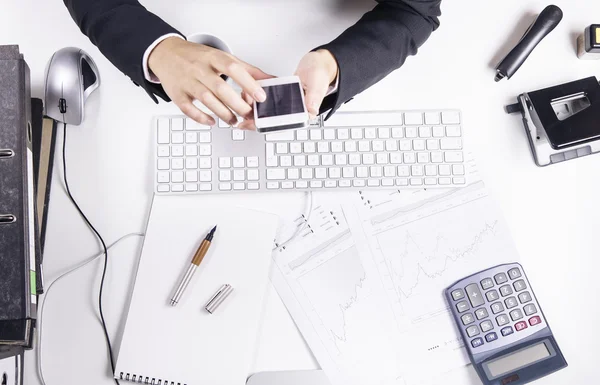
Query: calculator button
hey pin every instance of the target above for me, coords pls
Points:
(506, 290)
(516, 314)
(502, 319)
(474, 295)
(486, 326)
(492, 295)
(500, 278)
(519, 285)
(535, 320)
(510, 302)
(467, 319)
(520, 326)
(477, 342)
(530, 309)
(472, 331)
(487, 283)
(481, 313)
(457, 294)
(525, 297)
(491, 337)
(497, 307)
(507, 331)
(462, 306)
(514, 273)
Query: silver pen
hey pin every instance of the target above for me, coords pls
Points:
(198, 257)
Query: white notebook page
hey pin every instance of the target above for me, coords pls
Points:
(185, 344)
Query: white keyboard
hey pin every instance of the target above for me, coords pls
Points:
(351, 150)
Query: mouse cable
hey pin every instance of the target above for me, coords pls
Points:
(40, 317)
(87, 221)
(305, 216)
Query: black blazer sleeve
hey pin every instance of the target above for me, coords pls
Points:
(122, 30)
(378, 44)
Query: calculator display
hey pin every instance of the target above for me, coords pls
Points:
(517, 360)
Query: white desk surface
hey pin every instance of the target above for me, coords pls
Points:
(554, 212)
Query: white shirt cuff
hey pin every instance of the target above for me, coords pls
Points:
(147, 73)
(334, 88)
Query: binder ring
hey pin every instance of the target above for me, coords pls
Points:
(141, 379)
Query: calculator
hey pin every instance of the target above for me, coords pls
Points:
(504, 329)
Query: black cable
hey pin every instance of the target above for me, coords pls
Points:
(105, 251)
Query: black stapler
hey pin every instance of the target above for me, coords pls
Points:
(562, 122)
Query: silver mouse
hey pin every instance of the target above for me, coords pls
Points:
(71, 76)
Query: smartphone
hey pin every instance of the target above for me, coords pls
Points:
(284, 107)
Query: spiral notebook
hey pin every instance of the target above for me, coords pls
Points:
(165, 345)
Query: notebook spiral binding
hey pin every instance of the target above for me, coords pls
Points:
(146, 380)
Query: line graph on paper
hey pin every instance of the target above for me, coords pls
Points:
(421, 251)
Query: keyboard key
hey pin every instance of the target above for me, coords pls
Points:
(410, 158)
(364, 146)
(417, 170)
(252, 174)
(205, 176)
(481, 313)
(381, 158)
(354, 159)
(239, 162)
(507, 331)
(450, 117)
(458, 169)
(403, 171)
(343, 134)
(225, 186)
(252, 162)
(282, 148)
(370, 133)
(423, 157)
(204, 137)
(275, 174)
(472, 331)
(388, 182)
(271, 161)
(474, 295)
(368, 159)
(520, 326)
(163, 177)
(337, 147)
(350, 146)
(192, 125)
(510, 302)
(438, 132)
(433, 144)
(432, 118)
(502, 319)
(177, 150)
(239, 175)
(453, 131)
(282, 136)
(164, 151)
(177, 124)
(163, 188)
(397, 132)
(451, 144)
(519, 285)
(444, 181)
(293, 173)
(467, 319)
(163, 164)
(477, 342)
(191, 163)
(344, 183)
(299, 160)
(177, 188)
(453, 157)
(505, 290)
(285, 161)
(430, 170)
(459, 180)
(356, 133)
(401, 182)
(419, 144)
(320, 173)
(225, 175)
(322, 147)
(492, 295)
(376, 171)
(330, 183)
(237, 135)
(437, 157)
(272, 185)
(413, 118)
(348, 172)
(389, 171)
(491, 337)
(205, 149)
(500, 278)
(205, 163)
(341, 159)
(457, 294)
(316, 134)
(191, 137)
(487, 283)
(514, 273)
(383, 133)
(416, 181)
(329, 134)
(287, 185)
(535, 320)
(524, 297)
(301, 184)
(306, 173)
(462, 306)
(316, 184)
(497, 307)
(163, 131)
(301, 135)
(327, 160)
(516, 314)
(192, 150)
(309, 147)
(391, 145)
(191, 176)
(177, 164)
(362, 172)
(486, 326)
(530, 309)
(425, 132)
(224, 162)
(239, 186)
(411, 132)
(395, 158)
(177, 176)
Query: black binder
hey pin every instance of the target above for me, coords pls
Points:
(18, 225)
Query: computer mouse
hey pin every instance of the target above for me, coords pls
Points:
(71, 76)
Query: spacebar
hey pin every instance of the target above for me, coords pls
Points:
(364, 119)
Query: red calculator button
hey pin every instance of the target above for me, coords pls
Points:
(535, 320)
(520, 326)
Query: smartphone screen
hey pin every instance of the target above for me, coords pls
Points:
(282, 99)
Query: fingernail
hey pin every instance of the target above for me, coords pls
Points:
(233, 122)
(211, 121)
(260, 95)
